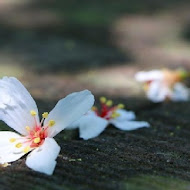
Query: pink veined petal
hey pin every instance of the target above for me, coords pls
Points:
(42, 159)
(8, 151)
(130, 125)
(16, 104)
(69, 110)
(91, 126)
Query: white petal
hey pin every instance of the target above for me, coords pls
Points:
(73, 125)
(76, 124)
(91, 126)
(130, 125)
(92, 113)
(42, 159)
(69, 110)
(125, 115)
(180, 92)
(16, 104)
(158, 92)
(8, 151)
(149, 76)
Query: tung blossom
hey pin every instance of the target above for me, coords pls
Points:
(161, 85)
(95, 121)
(19, 111)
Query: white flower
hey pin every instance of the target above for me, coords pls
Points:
(161, 85)
(19, 111)
(95, 121)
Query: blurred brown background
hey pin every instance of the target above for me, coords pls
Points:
(56, 47)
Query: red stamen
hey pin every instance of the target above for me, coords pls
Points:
(106, 111)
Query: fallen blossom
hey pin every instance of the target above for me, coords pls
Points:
(161, 85)
(19, 111)
(95, 121)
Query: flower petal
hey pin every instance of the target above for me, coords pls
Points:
(143, 76)
(69, 110)
(180, 92)
(76, 123)
(130, 125)
(42, 159)
(90, 126)
(125, 115)
(8, 151)
(158, 92)
(16, 104)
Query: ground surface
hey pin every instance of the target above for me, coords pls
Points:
(55, 49)
(154, 158)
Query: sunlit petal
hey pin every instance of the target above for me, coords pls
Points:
(69, 110)
(16, 104)
(143, 76)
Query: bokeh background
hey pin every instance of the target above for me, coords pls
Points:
(58, 47)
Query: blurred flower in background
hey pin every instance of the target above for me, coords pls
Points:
(161, 85)
(97, 45)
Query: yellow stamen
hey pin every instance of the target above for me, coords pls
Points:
(51, 123)
(45, 115)
(109, 103)
(33, 113)
(103, 100)
(115, 114)
(18, 145)
(27, 128)
(120, 106)
(94, 108)
(26, 149)
(37, 140)
(12, 140)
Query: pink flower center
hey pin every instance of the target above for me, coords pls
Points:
(107, 111)
(36, 135)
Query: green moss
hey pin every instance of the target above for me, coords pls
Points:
(171, 134)
(178, 127)
(147, 182)
(75, 160)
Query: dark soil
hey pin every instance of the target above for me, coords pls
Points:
(157, 157)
